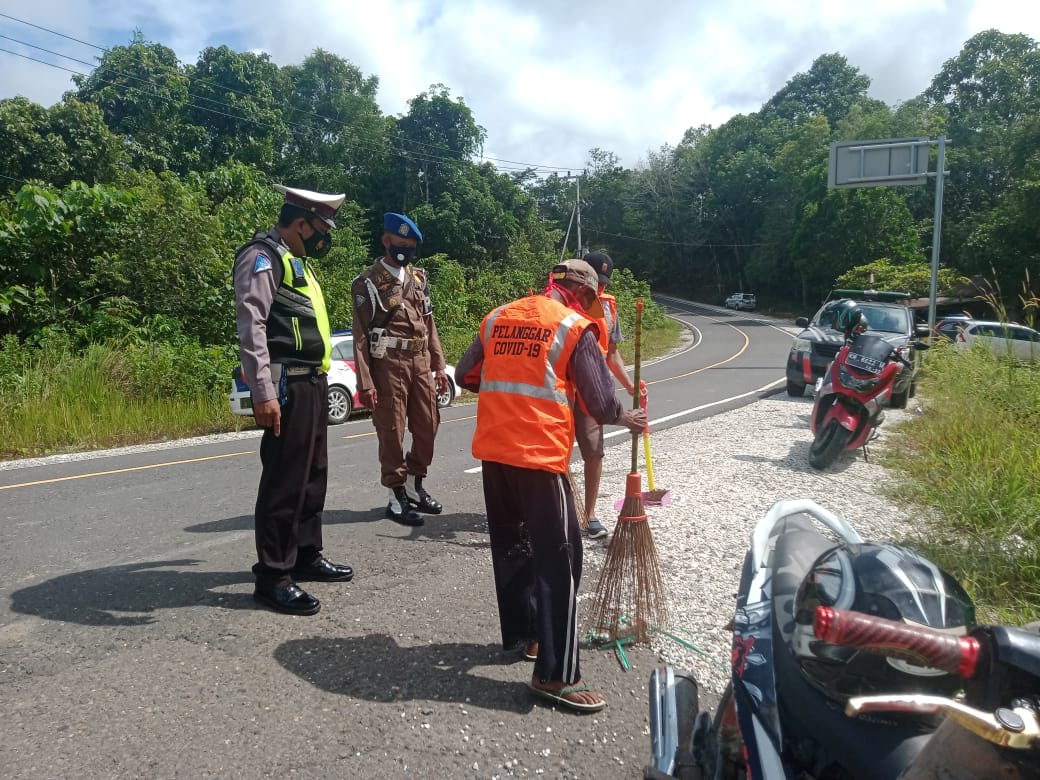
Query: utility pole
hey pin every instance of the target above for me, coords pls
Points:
(577, 209)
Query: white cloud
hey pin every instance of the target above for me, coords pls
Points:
(548, 80)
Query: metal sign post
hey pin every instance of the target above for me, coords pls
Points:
(933, 290)
(894, 162)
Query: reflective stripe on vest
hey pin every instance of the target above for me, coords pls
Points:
(524, 408)
(606, 323)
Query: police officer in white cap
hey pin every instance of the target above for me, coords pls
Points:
(284, 341)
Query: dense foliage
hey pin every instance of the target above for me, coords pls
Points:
(121, 206)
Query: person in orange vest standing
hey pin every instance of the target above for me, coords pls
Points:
(531, 361)
(587, 431)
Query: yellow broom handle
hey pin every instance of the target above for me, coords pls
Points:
(649, 461)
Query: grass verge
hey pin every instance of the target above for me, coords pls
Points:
(57, 400)
(972, 466)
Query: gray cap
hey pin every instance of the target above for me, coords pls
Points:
(582, 274)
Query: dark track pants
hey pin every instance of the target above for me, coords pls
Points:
(537, 554)
(293, 484)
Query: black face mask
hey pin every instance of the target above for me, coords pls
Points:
(401, 255)
(317, 244)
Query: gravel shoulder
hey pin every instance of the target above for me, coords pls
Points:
(724, 473)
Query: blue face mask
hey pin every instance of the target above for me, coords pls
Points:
(401, 255)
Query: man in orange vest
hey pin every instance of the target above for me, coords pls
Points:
(531, 362)
(588, 432)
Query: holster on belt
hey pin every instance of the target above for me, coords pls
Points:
(279, 379)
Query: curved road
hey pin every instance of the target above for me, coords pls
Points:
(130, 645)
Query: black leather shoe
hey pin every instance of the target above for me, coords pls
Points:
(400, 510)
(323, 570)
(290, 599)
(422, 500)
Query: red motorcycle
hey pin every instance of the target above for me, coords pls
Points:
(850, 397)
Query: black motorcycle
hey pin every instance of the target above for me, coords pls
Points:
(848, 661)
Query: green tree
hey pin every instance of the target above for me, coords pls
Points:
(56, 145)
(339, 140)
(829, 89)
(914, 278)
(233, 99)
(438, 139)
(990, 92)
(851, 228)
(142, 92)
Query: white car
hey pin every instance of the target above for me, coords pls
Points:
(1003, 339)
(741, 302)
(343, 398)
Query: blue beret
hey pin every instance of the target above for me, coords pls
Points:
(400, 225)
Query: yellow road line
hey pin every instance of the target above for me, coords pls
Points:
(443, 422)
(738, 353)
(124, 471)
(167, 463)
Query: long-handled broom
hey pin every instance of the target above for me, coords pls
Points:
(629, 599)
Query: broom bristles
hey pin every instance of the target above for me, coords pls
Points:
(630, 583)
(579, 505)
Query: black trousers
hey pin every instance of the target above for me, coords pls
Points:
(293, 484)
(536, 552)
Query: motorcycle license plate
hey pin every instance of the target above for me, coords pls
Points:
(865, 362)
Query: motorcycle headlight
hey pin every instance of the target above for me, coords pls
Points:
(853, 382)
(802, 345)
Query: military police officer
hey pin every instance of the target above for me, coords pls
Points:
(399, 364)
(284, 341)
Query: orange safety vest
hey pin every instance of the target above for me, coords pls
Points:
(524, 408)
(609, 304)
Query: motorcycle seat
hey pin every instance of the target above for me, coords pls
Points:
(797, 547)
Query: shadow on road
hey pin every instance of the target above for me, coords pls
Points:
(375, 668)
(436, 525)
(129, 595)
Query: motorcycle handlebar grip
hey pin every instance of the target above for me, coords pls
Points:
(919, 645)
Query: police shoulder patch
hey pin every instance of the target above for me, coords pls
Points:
(360, 300)
(262, 263)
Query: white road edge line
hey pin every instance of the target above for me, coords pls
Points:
(683, 413)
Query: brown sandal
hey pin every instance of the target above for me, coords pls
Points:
(559, 697)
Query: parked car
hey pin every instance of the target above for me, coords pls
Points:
(947, 326)
(342, 383)
(741, 301)
(1003, 339)
(818, 343)
(343, 399)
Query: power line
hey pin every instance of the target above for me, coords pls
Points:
(701, 245)
(350, 133)
(437, 147)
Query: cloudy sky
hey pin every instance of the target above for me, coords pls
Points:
(549, 80)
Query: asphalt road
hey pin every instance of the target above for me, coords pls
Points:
(130, 645)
